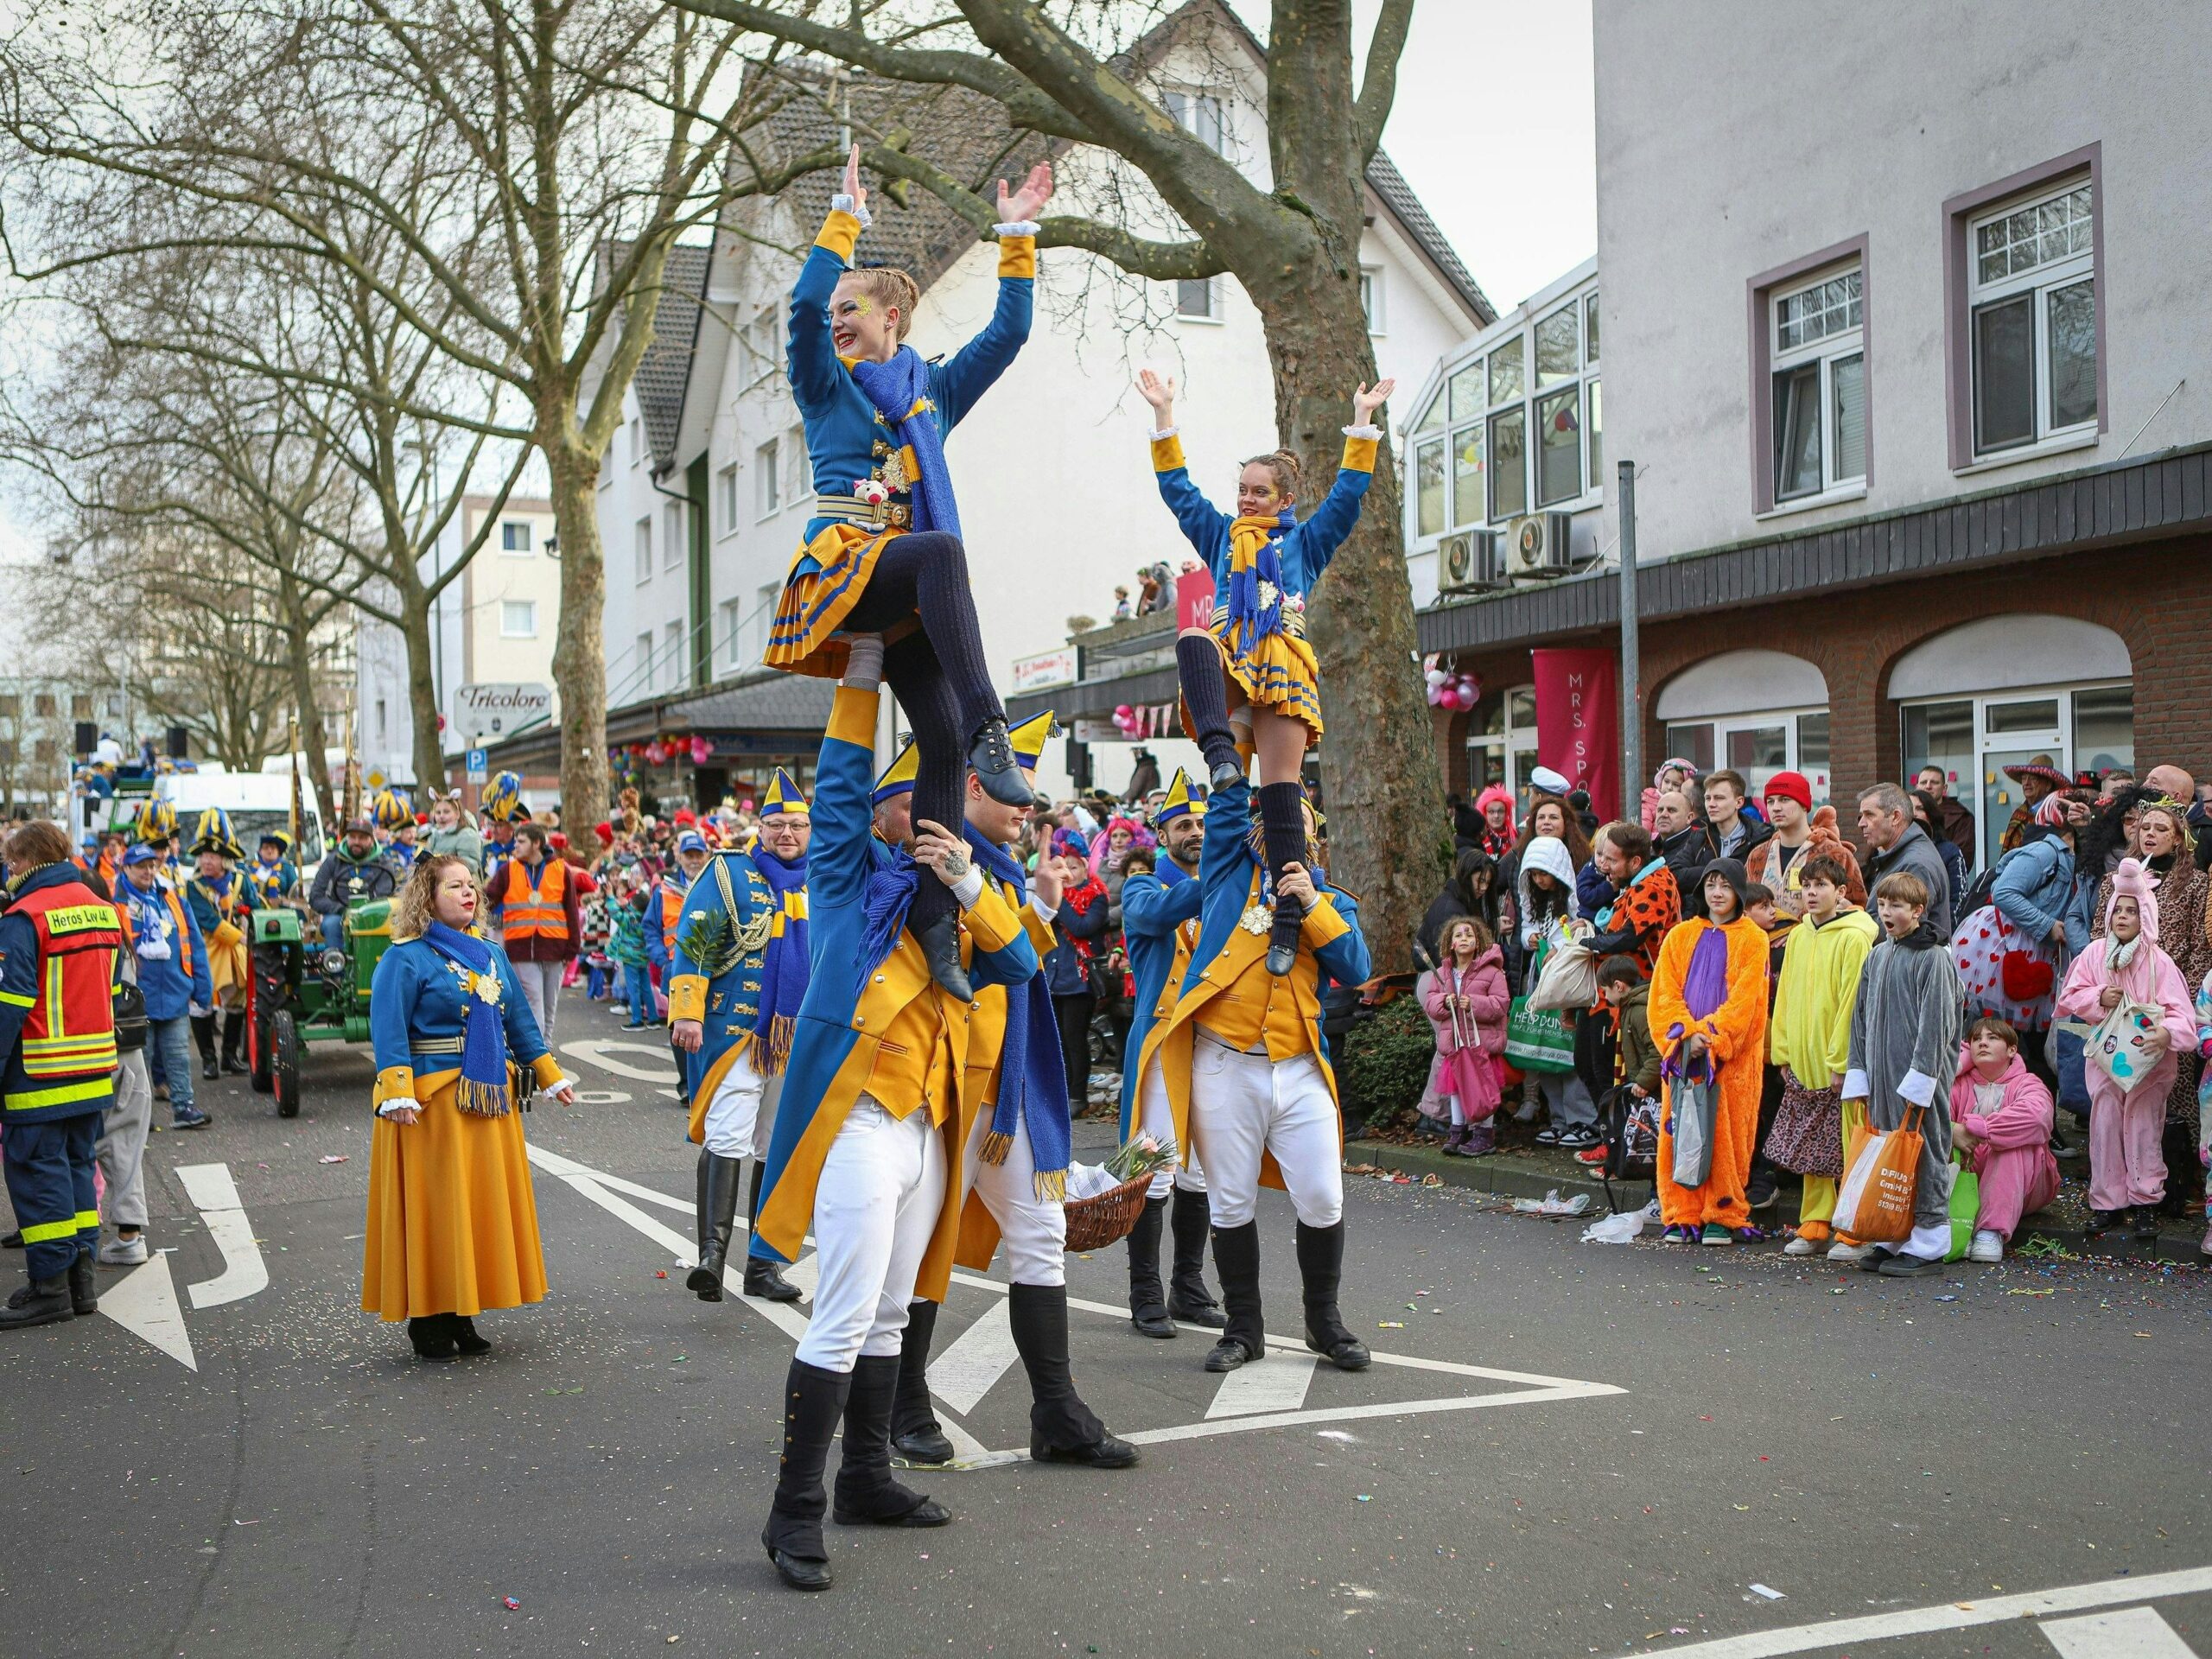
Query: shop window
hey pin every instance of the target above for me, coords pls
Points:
(1501, 742)
(2075, 729)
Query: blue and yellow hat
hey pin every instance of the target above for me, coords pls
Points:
(899, 776)
(156, 821)
(785, 796)
(392, 808)
(502, 797)
(213, 834)
(1030, 737)
(1178, 800)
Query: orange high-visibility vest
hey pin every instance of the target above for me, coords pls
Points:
(68, 1037)
(528, 912)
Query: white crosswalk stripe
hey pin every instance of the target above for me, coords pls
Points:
(1276, 1382)
(2131, 1633)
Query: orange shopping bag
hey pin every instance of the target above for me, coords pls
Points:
(1874, 1203)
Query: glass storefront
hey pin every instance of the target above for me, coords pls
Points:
(2073, 728)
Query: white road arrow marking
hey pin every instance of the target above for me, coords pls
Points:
(244, 1273)
(595, 1049)
(1276, 1382)
(970, 1367)
(2133, 1633)
(144, 1304)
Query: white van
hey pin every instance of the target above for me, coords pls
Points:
(258, 803)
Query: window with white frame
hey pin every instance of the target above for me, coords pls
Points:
(382, 721)
(518, 619)
(767, 480)
(645, 551)
(796, 478)
(636, 439)
(671, 651)
(757, 342)
(1198, 299)
(2032, 308)
(728, 617)
(1818, 343)
(729, 498)
(641, 672)
(764, 617)
(1371, 298)
(514, 536)
(1199, 114)
(671, 539)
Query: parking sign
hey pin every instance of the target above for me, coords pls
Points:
(479, 765)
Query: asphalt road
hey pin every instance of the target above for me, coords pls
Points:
(1590, 1449)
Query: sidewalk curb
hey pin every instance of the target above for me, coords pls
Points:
(1503, 1175)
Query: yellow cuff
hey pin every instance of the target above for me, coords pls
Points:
(1017, 257)
(687, 997)
(546, 1070)
(1323, 924)
(852, 717)
(1359, 455)
(839, 231)
(1167, 453)
(394, 1083)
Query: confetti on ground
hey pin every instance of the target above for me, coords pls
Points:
(1389, 1324)
(510, 1603)
(1769, 1592)
(336, 1158)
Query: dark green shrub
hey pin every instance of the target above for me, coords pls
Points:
(1384, 1062)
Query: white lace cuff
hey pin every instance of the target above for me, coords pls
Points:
(1045, 912)
(1168, 432)
(1020, 228)
(844, 204)
(968, 888)
(1369, 432)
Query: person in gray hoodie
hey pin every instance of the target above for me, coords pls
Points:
(452, 832)
(1895, 841)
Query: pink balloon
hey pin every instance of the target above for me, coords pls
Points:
(1124, 712)
(1448, 697)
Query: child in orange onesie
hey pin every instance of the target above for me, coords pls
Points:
(1708, 1010)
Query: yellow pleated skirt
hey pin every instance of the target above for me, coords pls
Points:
(1278, 672)
(815, 603)
(453, 1223)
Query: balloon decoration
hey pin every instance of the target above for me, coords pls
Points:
(701, 750)
(1452, 692)
(1128, 722)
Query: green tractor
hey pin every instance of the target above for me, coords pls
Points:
(301, 992)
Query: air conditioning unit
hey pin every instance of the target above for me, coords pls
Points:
(1538, 546)
(1469, 562)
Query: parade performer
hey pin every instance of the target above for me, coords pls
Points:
(221, 898)
(883, 546)
(1018, 1146)
(869, 1133)
(453, 1224)
(1247, 1072)
(58, 944)
(173, 971)
(1160, 910)
(1265, 562)
(274, 877)
(500, 809)
(739, 951)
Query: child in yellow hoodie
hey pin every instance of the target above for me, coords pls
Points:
(1810, 1041)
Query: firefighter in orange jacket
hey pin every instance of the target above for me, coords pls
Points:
(58, 943)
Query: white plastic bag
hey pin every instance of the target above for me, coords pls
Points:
(1552, 1205)
(1622, 1227)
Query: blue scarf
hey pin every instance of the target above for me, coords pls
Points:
(901, 391)
(890, 890)
(483, 1087)
(1033, 1076)
(783, 966)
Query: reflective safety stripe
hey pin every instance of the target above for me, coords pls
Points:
(94, 1090)
(47, 1231)
(88, 1221)
(15, 1000)
(93, 1054)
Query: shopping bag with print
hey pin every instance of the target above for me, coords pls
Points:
(1569, 980)
(2120, 1046)
(1692, 1107)
(1874, 1203)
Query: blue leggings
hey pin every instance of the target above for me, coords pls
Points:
(639, 981)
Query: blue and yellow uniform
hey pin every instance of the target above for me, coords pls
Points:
(1263, 574)
(731, 899)
(848, 442)
(276, 880)
(1156, 903)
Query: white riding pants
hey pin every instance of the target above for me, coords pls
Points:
(881, 1190)
(1156, 1118)
(742, 1112)
(1243, 1104)
(1033, 1231)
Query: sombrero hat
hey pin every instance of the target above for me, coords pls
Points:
(2039, 767)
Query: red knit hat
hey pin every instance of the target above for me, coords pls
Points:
(1791, 784)
(605, 832)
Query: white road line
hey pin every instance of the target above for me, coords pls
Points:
(805, 1273)
(2133, 1633)
(144, 1304)
(1945, 1616)
(1276, 1382)
(971, 1367)
(595, 1051)
(554, 1164)
(216, 1196)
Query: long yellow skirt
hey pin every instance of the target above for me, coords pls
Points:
(453, 1223)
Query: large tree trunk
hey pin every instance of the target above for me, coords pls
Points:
(1381, 789)
(299, 662)
(421, 690)
(580, 651)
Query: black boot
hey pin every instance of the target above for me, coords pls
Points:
(866, 1495)
(1282, 827)
(432, 1338)
(1188, 1299)
(717, 1215)
(1321, 1266)
(12, 1241)
(763, 1278)
(462, 1327)
(939, 937)
(1062, 1429)
(1199, 675)
(1237, 1258)
(915, 1434)
(990, 752)
(83, 1284)
(203, 1039)
(234, 1064)
(1147, 1300)
(39, 1301)
(814, 1400)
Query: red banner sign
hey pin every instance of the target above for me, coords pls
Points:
(1579, 722)
(1194, 599)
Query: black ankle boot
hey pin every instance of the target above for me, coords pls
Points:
(203, 1039)
(1188, 1299)
(1283, 936)
(814, 1401)
(432, 1340)
(1321, 1266)
(990, 752)
(717, 1215)
(83, 1284)
(462, 1327)
(1147, 1300)
(915, 1434)
(939, 937)
(234, 1064)
(763, 1278)
(38, 1301)
(866, 1495)
(1062, 1429)
(1237, 1258)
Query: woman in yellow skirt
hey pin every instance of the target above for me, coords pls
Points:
(453, 1226)
(1265, 561)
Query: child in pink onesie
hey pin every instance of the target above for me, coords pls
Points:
(2000, 1124)
(2127, 1167)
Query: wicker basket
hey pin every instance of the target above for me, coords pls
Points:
(1095, 1222)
